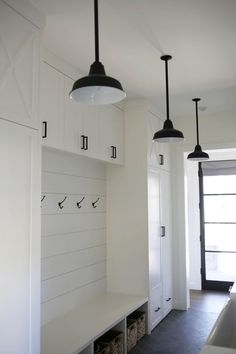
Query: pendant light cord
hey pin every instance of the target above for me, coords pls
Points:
(197, 129)
(96, 30)
(167, 91)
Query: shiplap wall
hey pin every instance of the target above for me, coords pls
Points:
(73, 239)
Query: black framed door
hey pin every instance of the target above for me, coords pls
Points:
(217, 229)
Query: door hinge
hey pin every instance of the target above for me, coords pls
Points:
(201, 271)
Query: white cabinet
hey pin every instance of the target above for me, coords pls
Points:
(136, 208)
(19, 68)
(81, 126)
(93, 131)
(166, 241)
(155, 308)
(19, 239)
(158, 153)
(111, 133)
(52, 106)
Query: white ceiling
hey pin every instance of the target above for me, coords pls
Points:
(199, 34)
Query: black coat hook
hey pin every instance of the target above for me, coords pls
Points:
(42, 199)
(78, 204)
(60, 203)
(94, 203)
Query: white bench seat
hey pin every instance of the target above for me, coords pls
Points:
(73, 332)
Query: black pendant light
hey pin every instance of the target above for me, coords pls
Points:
(97, 87)
(168, 134)
(197, 154)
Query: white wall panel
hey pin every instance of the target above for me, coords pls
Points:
(73, 261)
(68, 243)
(64, 263)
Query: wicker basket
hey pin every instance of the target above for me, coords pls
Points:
(132, 333)
(140, 317)
(114, 340)
(101, 348)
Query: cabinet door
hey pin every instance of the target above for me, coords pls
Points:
(111, 134)
(155, 306)
(52, 106)
(19, 68)
(158, 153)
(73, 121)
(154, 227)
(90, 131)
(153, 147)
(166, 241)
(19, 239)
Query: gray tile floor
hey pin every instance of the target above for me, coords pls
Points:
(184, 332)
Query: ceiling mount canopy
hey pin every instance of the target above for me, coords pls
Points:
(168, 134)
(197, 154)
(97, 87)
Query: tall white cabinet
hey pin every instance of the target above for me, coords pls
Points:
(138, 215)
(20, 179)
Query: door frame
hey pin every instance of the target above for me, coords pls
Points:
(206, 284)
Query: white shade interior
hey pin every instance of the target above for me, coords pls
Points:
(98, 95)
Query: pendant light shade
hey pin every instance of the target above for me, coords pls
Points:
(197, 154)
(168, 134)
(97, 87)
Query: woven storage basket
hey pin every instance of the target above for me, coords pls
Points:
(140, 317)
(114, 339)
(100, 348)
(132, 333)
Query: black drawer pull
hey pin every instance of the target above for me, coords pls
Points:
(163, 231)
(45, 130)
(113, 152)
(169, 298)
(161, 161)
(157, 309)
(86, 142)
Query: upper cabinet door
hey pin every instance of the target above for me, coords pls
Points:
(90, 138)
(52, 106)
(19, 68)
(73, 121)
(158, 153)
(111, 134)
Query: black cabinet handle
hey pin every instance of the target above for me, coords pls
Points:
(157, 309)
(161, 159)
(83, 142)
(163, 231)
(45, 130)
(86, 142)
(113, 152)
(169, 298)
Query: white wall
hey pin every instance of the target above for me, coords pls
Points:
(73, 239)
(216, 132)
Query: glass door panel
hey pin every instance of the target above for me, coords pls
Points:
(221, 266)
(218, 229)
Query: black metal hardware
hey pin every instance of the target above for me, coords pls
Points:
(157, 309)
(45, 133)
(60, 203)
(163, 231)
(78, 204)
(86, 142)
(94, 203)
(169, 298)
(113, 152)
(83, 142)
(42, 199)
(161, 161)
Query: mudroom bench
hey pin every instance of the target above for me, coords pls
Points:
(76, 331)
